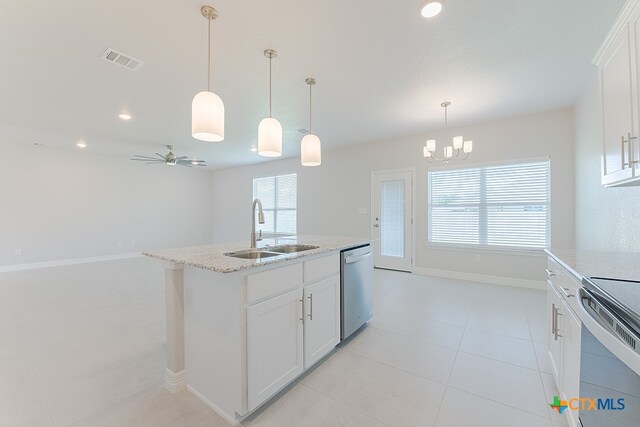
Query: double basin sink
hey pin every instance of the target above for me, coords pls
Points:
(268, 252)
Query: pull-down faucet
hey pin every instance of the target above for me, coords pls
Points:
(253, 221)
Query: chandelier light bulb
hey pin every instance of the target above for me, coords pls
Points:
(457, 142)
(468, 147)
(431, 145)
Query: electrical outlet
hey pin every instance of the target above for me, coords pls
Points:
(18, 252)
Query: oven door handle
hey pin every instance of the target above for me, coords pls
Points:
(606, 336)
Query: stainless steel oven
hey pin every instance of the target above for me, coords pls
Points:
(610, 353)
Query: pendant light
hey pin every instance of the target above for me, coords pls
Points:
(207, 109)
(311, 152)
(269, 129)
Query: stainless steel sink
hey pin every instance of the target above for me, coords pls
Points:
(252, 254)
(269, 252)
(289, 249)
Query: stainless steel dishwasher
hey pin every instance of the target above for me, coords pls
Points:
(356, 289)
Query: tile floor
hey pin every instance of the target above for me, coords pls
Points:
(84, 346)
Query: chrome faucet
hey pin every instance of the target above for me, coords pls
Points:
(253, 222)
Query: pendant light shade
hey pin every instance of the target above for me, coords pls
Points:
(310, 147)
(311, 151)
(207, 117)
(270, 138)
(269, 129)
(207, 109)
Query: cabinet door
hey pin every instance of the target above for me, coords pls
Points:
(554, 315)
(274, 345)
(617, 111)
(322, 319)
(571, 338)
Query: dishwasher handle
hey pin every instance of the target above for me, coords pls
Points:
(355, 258)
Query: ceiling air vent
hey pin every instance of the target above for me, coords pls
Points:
(121, 59)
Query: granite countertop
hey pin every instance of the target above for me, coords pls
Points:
(614, 265)
(212, 257)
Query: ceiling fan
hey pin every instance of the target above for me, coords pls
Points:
(170, 159)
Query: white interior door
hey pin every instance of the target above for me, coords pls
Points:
(392, 196)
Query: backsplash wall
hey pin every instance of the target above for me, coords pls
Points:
(607, 219)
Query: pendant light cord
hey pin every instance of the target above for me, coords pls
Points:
(270, 86)
(209, 57)
(310, 109)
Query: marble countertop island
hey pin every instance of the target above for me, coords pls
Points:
(614, 265)
(213, 258)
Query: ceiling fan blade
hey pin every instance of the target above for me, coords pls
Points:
(144, 160)
(161, 156)
(182, 157)
(143, 157)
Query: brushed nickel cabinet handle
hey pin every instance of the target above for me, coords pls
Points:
(550, 273)
(310, 306)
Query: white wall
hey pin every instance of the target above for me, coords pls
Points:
(607, 219)
(329, 196)
(57, 204)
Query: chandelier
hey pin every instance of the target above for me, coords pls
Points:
(459, 150)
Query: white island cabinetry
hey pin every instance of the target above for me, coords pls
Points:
(289, 332)
(251, 327)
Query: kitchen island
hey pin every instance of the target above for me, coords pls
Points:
(241, 329)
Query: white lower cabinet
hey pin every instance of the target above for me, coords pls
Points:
(288, 333)
(275, 345)
(322, 319)
(554, 304)
(565, 335)
(571, 341)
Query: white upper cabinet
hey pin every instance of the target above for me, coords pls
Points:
(618, 71)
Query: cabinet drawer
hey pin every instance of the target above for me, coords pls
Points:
(322, 267)
(272, 282)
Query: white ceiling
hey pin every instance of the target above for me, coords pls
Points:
(382, 69)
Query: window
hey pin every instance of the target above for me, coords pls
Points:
(278, 195)
(497, 206)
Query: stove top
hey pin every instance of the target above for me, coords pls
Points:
(622, 293)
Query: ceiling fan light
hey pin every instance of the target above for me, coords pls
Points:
(207, 117)
(431, 8)
(311, 151)
(270, 138)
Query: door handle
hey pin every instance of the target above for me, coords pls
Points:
(310, 306)
(556, 334)
(301, 309)
(550, 273)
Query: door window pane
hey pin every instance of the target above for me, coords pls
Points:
(392, 218)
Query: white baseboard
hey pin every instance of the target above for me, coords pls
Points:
(482, 278)
(175, 381)
(62, 262)
(232, 420)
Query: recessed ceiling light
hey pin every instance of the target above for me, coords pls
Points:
(431, 8)
(254, 149)
(81, 144)
(125, 116)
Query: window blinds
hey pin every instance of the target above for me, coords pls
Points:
(278, 195)
(502, 206)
